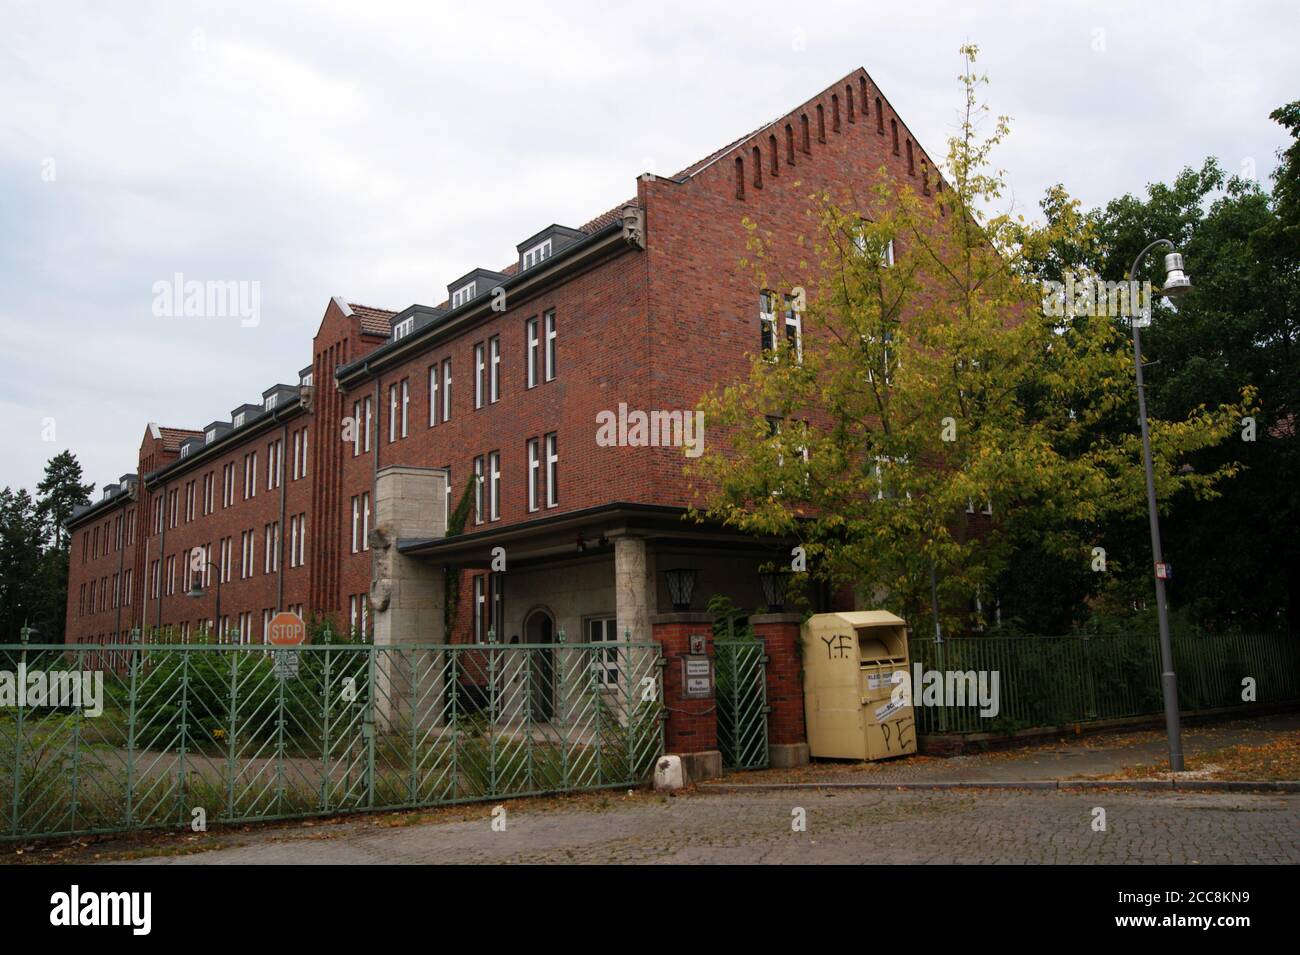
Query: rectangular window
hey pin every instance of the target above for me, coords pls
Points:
(392, 413)
(271, 541)
(297, 453)
(446, 389)
(537, 253)
(532, 350)
(356, 523)
(605, 664)
(478, 490)
(494, 372)
(480, 603)
(550, 345)
(464, 294)
(433, 394)
(494, 486)
(767, 322)
(356, 428)
(534, 472)
(368, 414)
(365, 521)
(552, 470)
(406, 405)
(793, 329)
(479, 367)
(274, 464)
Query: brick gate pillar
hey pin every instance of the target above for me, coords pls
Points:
(787, 736)
(690, 724)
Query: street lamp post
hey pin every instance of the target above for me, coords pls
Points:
(1176, 285)
(196, 591)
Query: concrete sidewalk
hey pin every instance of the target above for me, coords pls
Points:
(1058, 760)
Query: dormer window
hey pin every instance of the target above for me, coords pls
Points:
(305, 380)
(403, 328)
(271, 401)
(185, 450)
(239, 420)
(463, 294)
(537, 254)
(210, 436)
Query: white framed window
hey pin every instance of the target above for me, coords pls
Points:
(532, 350)
(767, 323)
(480, 604)
(887, 256)
(494, 369)
(367, 412)
(392, 413)
(479, 367)
(356, 428)
(433, 394)
(552, 470)
(550, 345)
(210, 436)
(271, 540)
(365, 521)
(605, 662)
(403, 328)
(406, 406)
(534, 472)
(793, 329)
(356, 523)
(538, 253)
(494, 486)
(464, 294)
(271, 401)
(446, 389)
(238, 420)
(478, 490)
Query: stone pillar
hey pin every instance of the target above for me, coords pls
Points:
(633, 595)
(407, 595)
(787, 735)
(690, 725)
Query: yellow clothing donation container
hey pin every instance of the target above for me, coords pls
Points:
(849, 662)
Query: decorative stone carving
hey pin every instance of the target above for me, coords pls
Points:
(383, 546)
(634, 226)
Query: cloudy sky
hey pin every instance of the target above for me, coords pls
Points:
(378, 151)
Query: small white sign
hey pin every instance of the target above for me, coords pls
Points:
(888, 710)
(286, 663)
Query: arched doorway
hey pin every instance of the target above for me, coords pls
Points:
(539, 627)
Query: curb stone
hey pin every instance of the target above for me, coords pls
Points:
(1189, 785)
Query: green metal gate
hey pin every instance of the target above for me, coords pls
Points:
(237, 733)
(740, 668)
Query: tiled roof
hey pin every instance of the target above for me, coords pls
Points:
(605, 218)
(695, 167)
(374, 321)
(172, 437)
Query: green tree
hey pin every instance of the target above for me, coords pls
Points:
(1237, 558)
(933, 380)
(20, 560)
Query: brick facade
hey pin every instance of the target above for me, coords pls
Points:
(650, 310)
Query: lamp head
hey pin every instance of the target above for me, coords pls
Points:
(1177, 284)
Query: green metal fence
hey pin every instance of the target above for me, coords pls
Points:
(246, 733)
(1052, 681)
(740, 668)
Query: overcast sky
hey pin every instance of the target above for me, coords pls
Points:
(378, 151)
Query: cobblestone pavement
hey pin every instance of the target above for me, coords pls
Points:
(973, 826)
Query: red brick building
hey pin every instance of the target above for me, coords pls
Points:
(333, 495)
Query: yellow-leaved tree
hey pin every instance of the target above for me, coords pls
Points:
(931, 384)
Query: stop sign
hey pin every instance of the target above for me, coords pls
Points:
(287, 630)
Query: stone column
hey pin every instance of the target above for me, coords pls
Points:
(787, 736)
(690, 725)
(633, 595)
(407, 595)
